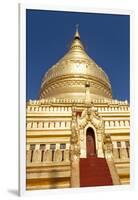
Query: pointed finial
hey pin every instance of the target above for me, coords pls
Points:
(77, 35)
(77, 27)
(76, 43)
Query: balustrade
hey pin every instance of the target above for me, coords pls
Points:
(47, 155)
(55, 124)
(121, 150)
(48, 109)
(38, 153)
(119, 123)
(67, 124)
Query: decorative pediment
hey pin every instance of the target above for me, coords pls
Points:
(91, 115)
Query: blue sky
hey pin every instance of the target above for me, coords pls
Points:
(105, 36)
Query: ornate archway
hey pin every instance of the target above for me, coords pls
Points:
(90, 142)
(91, 119)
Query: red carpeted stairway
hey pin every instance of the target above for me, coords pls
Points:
(94, 172)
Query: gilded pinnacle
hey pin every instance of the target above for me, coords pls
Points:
(77, 35)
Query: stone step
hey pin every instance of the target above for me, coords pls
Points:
(94, 172)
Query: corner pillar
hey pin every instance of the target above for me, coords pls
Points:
(75, 153)
(75, 173)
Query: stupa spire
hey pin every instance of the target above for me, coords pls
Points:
(77, 35)
(77, 44)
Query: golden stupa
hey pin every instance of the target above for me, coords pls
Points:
(68, 77)
(77, 135)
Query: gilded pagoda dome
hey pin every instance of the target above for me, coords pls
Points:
(68, 78)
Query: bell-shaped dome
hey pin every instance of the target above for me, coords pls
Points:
(68, 77)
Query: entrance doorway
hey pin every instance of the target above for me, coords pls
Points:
(90, 143)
